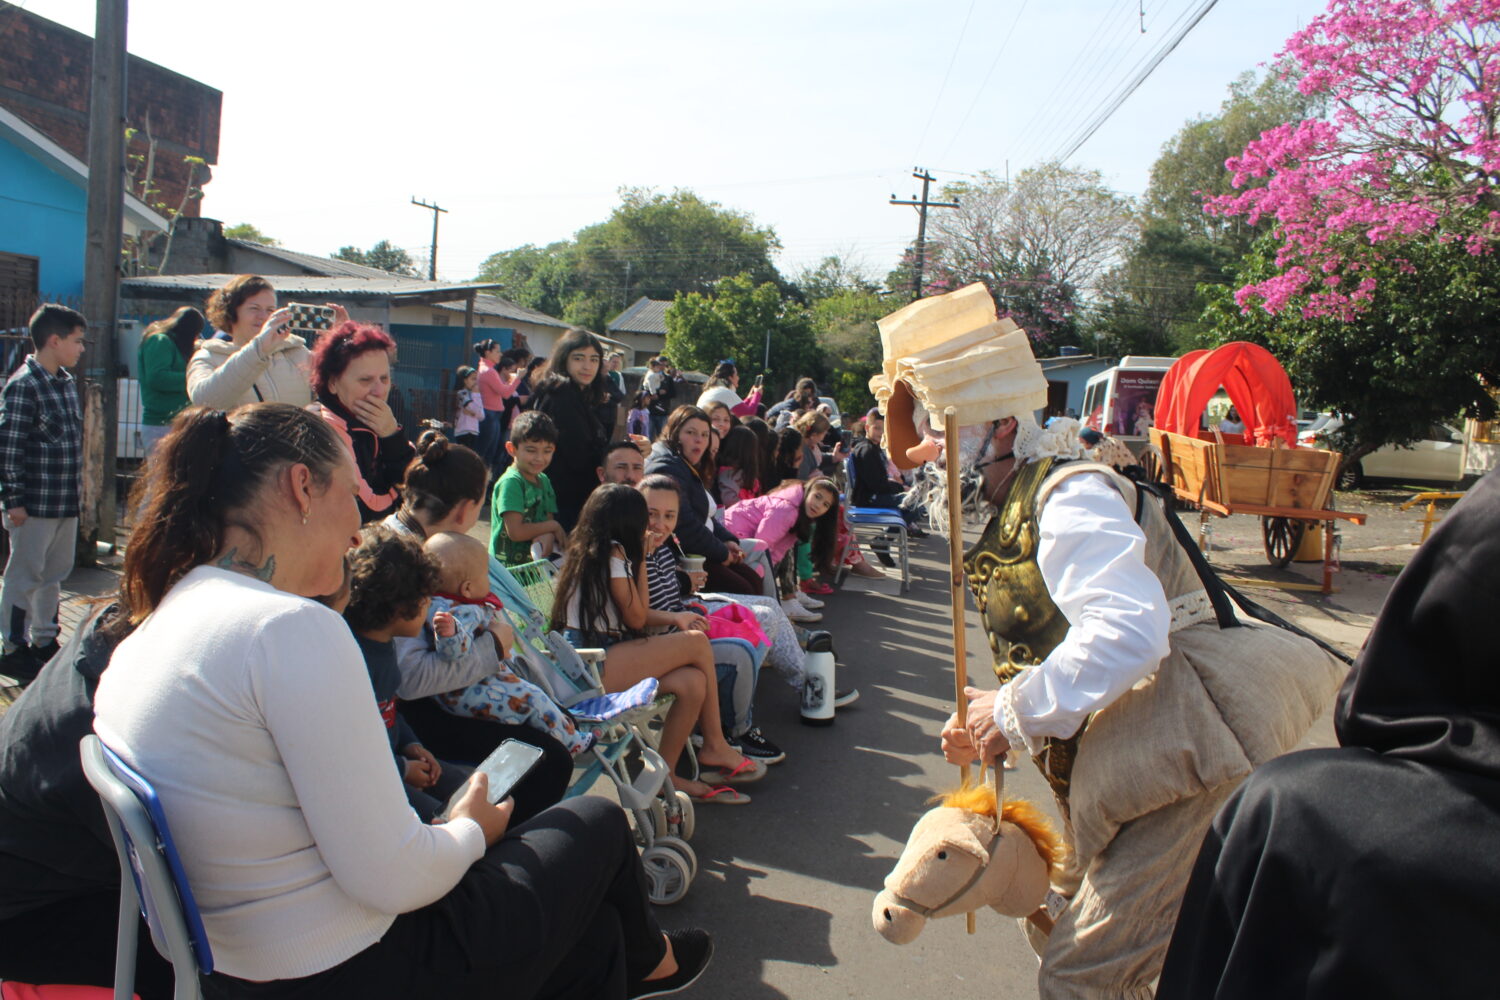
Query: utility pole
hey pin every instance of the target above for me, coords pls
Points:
(104, 220)
(922, 207)
(432, 261)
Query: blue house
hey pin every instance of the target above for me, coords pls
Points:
(1067, 375)
(43, 203)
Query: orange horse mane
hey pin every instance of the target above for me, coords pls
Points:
(1032, 821)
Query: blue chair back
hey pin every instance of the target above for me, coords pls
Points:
(158, 886)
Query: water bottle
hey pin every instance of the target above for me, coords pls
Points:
(817, 688)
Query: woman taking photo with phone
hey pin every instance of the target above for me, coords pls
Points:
(262, 737)
(723, 387)
(253, 357)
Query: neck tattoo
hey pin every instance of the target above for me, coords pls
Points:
(263, 572)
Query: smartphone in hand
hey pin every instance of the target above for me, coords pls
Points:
(505, 767)
(306, 319)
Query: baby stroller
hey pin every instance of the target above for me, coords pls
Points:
(663, 817)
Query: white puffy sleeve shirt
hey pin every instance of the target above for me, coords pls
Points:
(1092, 557)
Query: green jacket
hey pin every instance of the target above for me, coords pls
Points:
(163, 374)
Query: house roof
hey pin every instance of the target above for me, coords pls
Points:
(312, 263)
(385, 286)
(34, 143)
(493, 305)
(1069, 360)
(644, 316)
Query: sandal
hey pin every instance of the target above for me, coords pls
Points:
(722, 795)
(748, 770)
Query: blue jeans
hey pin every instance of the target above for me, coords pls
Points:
(489, 437)
(736, 697)
(891, 501)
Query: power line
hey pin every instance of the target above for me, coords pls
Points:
(432, 260)
(986, 81)
(922, 206)
(1114, 105)
(943, 87)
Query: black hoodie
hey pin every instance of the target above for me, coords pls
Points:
(1373, 870)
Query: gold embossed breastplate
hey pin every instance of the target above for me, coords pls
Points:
(1022, 622)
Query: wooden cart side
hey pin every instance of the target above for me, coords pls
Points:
(1286, 478)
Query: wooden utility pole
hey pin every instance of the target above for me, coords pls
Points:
(922, 207)
(103, 224)
(432, 261)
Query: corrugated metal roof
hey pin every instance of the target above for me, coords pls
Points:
(387, 285)
(644, 316)
(493, 305)
(314, 264)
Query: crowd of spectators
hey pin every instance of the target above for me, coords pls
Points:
(305, 655)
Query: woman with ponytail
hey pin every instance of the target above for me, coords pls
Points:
(263, 739)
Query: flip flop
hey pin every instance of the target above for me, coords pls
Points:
(722, 795)
(748, 770)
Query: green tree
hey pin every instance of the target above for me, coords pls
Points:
(652, 244)
(248, 231)
(1151, 302)
(382, 255)
(734, 320)
(844, 326)
(1414, 357)
(536, 277)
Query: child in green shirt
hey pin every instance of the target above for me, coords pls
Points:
(522, 525)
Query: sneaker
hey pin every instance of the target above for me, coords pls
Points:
(842, 698)
(694, 949)
(44, 653)
(797, 613)
(753, 743)
(807, 600)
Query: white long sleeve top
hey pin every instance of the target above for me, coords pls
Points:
(1092, 557)
(251, 712)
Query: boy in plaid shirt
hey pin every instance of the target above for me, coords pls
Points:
(41, 446)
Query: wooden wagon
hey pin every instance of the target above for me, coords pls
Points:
(1288, 488)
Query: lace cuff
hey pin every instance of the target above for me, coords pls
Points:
(1005, 717)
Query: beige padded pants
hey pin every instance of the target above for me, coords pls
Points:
(1112, 938)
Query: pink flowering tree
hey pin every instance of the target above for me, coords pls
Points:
(1408, 150)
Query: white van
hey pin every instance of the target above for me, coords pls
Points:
(1121, 401)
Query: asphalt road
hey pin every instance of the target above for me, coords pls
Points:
(787, 882)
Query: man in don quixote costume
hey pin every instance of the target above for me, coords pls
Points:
(1125, 672)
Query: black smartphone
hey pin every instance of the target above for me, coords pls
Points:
(309, 319)
(505, 767)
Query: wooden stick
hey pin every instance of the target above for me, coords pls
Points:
(956, 581)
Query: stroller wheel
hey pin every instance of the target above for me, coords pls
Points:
(660, 821)
(685, 821)
(681, 847)
(668, 874)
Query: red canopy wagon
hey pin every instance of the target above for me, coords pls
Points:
(1261, 472)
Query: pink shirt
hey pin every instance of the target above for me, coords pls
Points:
(771, 518)
(494, 388)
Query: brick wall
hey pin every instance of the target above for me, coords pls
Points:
(44, 78)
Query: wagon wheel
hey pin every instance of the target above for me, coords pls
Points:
(1154, 463)
(1282, 536)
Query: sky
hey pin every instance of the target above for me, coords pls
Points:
(524, 119)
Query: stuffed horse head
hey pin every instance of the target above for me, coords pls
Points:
(957, 860)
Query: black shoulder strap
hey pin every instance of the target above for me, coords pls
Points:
(1221, 593)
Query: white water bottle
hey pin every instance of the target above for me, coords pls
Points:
(817, 687)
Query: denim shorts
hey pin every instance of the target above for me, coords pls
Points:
(590, 640)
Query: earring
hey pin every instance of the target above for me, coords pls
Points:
(305, 516)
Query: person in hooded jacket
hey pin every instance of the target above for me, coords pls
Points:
(352, 379)
(1370, 869)
(571, 394)
(252, 357)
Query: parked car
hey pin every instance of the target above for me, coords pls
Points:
(1437, 458)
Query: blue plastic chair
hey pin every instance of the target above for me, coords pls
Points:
(157, 887)
(878, 524)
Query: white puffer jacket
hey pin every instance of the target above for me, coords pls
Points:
(224, 376)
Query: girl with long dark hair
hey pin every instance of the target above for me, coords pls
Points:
(681, 453)
(603, 600)
(571, 393)
(738, 475)
(161, 364)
